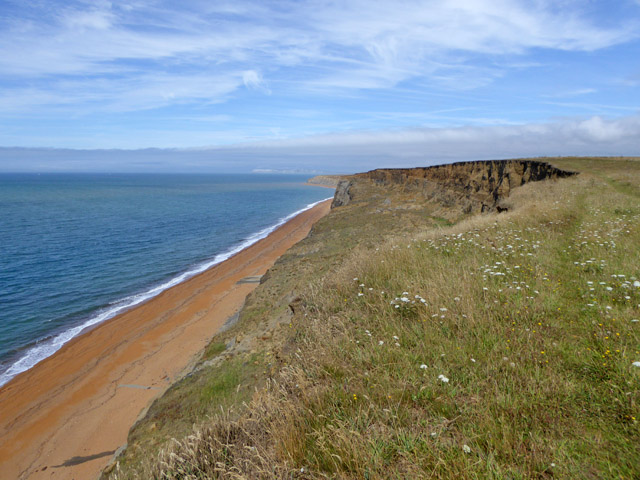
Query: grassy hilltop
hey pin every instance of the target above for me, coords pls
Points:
(405, 338)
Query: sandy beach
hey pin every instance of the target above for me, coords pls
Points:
(66, 417)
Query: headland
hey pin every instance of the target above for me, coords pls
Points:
(474, 320)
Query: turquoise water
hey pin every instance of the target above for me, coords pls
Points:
(78, 249)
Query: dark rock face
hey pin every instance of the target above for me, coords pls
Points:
(342, 195)
(474, 186)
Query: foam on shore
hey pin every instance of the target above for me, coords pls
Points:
(48, 346)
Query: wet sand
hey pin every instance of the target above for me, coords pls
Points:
(65, 417)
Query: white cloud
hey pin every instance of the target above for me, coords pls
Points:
(359, 151)
(381, 41)
(411, 147)
(91, 56)
(595, 129)
(572, 93)
(121, 95)
(410, 38)
(91, 20)
(253, 80)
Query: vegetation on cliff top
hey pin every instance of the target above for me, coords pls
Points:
(497, 346)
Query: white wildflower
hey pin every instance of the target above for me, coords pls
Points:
(444, 379)
(636, 364)
(466, 448)
(423, 366)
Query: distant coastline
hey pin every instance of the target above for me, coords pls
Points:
(329, 181)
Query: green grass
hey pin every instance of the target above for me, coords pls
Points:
(539, 366)
(214, 349)
(499, 347)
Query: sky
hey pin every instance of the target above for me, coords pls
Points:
(313, 86)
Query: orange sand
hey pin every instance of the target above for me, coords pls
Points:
(66, 416)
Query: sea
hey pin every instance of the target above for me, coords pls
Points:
(77, 249)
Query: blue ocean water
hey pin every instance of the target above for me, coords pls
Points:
(76, 249)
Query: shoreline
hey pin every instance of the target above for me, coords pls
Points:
(39, 351)
(71, 411)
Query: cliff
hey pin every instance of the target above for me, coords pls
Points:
(404, 317)
(473, 186)
(325, 180)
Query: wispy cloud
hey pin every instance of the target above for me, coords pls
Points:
(362, 64)
(253, 80)
(121, 95)
(571, 93)
(352, 45)
(598, 106)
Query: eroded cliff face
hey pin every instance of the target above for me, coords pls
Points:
(473, 186)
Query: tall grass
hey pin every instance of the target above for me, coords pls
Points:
(500, 347)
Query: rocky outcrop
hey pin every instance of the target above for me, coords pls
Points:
(342, 195)
(473, 186)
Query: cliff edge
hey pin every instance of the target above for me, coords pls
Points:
(477, 186)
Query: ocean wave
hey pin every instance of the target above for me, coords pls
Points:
(47, 347)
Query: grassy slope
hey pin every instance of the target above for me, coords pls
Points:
(529, 316)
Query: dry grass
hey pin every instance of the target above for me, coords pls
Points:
(500, 347)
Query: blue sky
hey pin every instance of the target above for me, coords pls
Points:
(314, 85)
